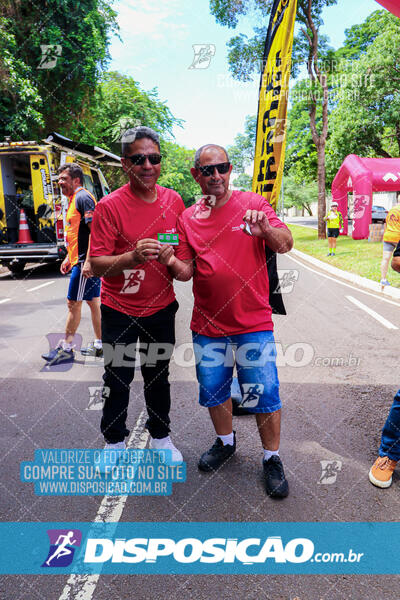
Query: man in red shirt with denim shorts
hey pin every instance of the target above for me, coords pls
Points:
(223, 236)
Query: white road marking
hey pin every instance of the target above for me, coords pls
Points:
(5, 300)
(82, 587)
(42, 285)
(372, 313)
(349, 285)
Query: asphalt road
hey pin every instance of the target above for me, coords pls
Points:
(338, 372)
(311, 222)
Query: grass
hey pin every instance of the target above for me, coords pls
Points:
(356, 256)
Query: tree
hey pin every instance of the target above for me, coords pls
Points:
(366, 117)
(119, 104)
(20, 102)
(359, 37)
(299, 194)
(241, 153)
(65, 45)
(175, 171)
(243, 182)
(245, 54)
(301, 155)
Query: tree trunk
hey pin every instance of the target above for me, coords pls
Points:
(308, 209)
(321, 191)
(319, 139)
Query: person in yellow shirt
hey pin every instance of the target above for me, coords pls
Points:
(391, 238)
(334, 222)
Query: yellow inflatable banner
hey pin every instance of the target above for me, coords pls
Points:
(272, 103)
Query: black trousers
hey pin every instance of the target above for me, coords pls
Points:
(120, 333)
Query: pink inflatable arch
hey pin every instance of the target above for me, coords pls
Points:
(362, 176)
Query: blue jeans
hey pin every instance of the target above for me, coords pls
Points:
(390, 440)
(255, 356)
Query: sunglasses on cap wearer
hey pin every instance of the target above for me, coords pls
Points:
(208, 170)
(140, 159)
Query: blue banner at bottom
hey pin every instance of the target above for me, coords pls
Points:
(200, 548)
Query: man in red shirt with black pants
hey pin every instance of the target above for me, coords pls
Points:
(137, 295)
(224, 236)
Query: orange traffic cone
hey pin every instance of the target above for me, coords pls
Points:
(24, 233)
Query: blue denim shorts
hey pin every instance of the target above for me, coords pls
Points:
(255, 357)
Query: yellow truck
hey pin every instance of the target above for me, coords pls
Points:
(32, 208)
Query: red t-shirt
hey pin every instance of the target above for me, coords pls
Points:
(120, 220)
(230, 282)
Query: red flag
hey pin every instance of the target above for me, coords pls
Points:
(392, 5)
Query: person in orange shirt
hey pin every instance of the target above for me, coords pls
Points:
(391, 238)
(83, 285)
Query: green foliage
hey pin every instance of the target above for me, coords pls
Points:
(357, 256)
(20, 102)
(175, 171)
(299, 194)
(360, 37)
(301, 154)
(118, 104)
(243, 182)
(241, 153)
(75, 97)
(245, 54)
(82, 30)
(365, 119)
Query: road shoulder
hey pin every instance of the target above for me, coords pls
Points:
(356, 280)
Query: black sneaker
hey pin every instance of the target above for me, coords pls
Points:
(91, 350)
(216, 455)
(276, 484)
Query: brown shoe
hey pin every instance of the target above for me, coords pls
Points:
(381, 472)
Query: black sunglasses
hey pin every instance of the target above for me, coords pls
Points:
(208, 170)
(140, 159)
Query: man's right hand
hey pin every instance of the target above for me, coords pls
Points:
(146, 249)
(65, 266)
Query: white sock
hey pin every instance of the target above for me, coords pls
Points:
(66, 345)
(98, 344)
(269, 453)
(227, 439)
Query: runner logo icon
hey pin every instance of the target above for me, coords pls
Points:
(133, 279)
(63, 543)
(251, 394)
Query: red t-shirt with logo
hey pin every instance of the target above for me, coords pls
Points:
(120, 220)
(230, 282)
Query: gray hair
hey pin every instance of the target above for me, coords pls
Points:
(137, 133)
(74, 170)
(200, 150)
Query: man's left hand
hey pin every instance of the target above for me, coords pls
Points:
(258, 222)
(87, 270)
(166, 255)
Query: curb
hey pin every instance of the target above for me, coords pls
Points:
(357, 280)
